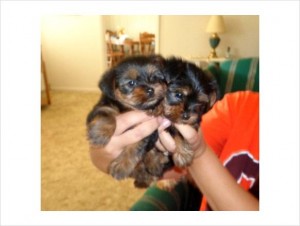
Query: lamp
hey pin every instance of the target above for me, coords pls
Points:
(215, 25)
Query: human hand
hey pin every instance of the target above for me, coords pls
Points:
(167, 143)
(194, 138)
(143, 125)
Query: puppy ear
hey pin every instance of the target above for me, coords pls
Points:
(107, 83)
(214, 95)
(212, 99)
(158, 60)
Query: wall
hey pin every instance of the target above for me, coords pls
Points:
(73, 51)
(185, 36)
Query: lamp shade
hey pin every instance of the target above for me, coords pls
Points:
(215, 25)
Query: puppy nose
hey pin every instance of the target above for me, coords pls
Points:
(185, 116)
(150, 91)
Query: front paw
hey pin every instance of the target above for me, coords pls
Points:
(100, 131)
(156, 170)
(183, 155)
(157, 162)
(119, 170)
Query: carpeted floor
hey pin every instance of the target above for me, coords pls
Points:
(69, 180)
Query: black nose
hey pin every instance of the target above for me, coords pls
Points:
(185, 116)
(150, 91)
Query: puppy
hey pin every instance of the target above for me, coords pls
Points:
(135, 83)
(190, 93)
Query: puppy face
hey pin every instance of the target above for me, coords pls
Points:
(137, 82)
(189, 94)
(184, 105)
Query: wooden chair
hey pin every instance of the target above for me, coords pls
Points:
(132, 46)
(115, 53)
(47, 100)
(147, 43)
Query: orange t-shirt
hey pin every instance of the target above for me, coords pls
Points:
(231, 129)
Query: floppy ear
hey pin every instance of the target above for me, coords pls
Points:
(107, 83)
(212, 99)
(158, 60)
(214, 90)
(214, 95)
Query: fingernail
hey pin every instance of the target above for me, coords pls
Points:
(165, 123)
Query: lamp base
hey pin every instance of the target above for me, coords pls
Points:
(213, 54)
(214, 41)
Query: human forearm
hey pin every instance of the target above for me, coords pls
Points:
(218, 186)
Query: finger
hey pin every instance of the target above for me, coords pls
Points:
(167, 141)
(186, 131)
(159, 146)
(130, 119)
(164, 123)
(137, 133)
(190, 134)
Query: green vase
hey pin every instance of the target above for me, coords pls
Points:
(214, 41)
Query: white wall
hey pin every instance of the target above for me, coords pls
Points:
(185, 36)
(74, 48)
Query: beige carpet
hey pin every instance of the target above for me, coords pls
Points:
(69, 180)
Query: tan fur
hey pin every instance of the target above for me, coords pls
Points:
(183, 154)
(125, 163)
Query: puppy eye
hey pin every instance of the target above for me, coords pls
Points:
(179, 96)
(132, 83)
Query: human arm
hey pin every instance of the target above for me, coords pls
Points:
(219, 187)
(213, 179)
(123, 136)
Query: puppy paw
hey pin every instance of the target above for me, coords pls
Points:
(120, 170)
(155, 170)
(158, 165)
(100, 132)
(183, 156)
(156, 162)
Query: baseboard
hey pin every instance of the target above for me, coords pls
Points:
(75, 89)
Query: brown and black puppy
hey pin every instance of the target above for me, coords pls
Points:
(190, 94)
(135, 83)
